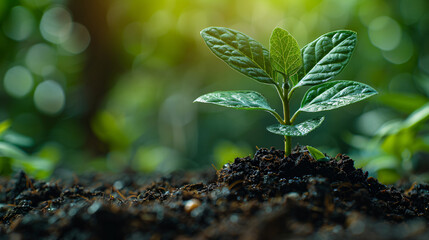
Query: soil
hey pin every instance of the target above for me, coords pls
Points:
(264, 197)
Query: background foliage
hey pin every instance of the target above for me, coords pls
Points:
(109, 84)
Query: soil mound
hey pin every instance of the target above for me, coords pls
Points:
(266, 196)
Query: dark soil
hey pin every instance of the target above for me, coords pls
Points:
(264, 197)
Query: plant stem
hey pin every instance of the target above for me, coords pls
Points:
(286, 113)
(295, 115)
(284, 96)
(279, 91)
(277, 116)
(290, 93)
(283, 93)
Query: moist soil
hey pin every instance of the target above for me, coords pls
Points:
(266, 196)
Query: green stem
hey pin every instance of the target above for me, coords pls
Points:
(283, 93)
(285, 97)
(277, 116)
(279, 91)
(295, 115)
(286, 112)
(288, 145)
(291, 92)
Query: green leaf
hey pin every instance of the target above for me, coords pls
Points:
(284, 52)
(397, 143)
(415, 119)
(4, 125)
(390, 127)
(18, 139)
(388, 176)
(418, 117)
(9, 150)
(325, 57)
(240, 51)
(404, 102)
(332, 95)
(315, 153)
(294, 79)
(237, 99)
(300, 129)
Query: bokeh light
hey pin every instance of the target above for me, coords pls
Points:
(402, 53)
(41, 59)
(78, 40)
(20, 23)
(385, 33)
(18, 81)
(56, 25)
(49, 97)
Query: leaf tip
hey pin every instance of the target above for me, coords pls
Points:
(197, 100)
(204, 31)
(277, 29)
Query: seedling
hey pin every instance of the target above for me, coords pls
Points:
(287, 68)
(317, 154)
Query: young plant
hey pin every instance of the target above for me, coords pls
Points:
(287, 68)
(316, 153)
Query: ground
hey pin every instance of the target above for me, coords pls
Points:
(266, 196)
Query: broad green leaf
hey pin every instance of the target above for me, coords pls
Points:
(284, 52)
(418, 117)
(315, 153)
(9, 150)
(390, 127)
(404, 102)
(388, 176)
(4, 125)
(331, 95)
(18, 139)
(397, 143)
(300, 129)
(237, 99)
(326, 57)
(240, 51)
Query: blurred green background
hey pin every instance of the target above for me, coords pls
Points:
(105, 85)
